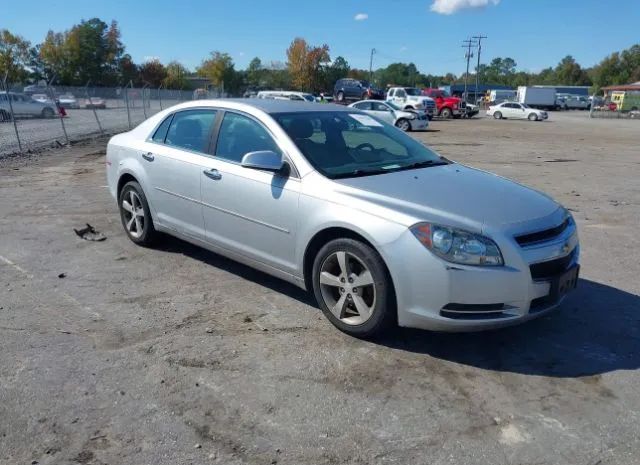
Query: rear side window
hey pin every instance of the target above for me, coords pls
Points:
(240, 135)
(161, 132)
(191, 129)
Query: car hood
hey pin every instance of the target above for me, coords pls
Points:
(451, 192)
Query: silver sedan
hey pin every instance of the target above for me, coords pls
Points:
(379, 227)
(407, 120)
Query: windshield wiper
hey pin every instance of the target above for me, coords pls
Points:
(421, 164)
(360, 173)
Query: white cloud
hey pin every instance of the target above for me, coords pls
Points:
(404, 48)
(150, 58)
(449, 7)
(361, 17)
(240, 54)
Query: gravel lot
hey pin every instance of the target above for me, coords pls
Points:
(175, 355)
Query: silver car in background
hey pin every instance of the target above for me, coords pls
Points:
(381, 229)
(24, 106)
(406, 120)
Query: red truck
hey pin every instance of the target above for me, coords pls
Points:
(446, 105)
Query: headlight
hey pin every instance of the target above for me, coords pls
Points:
(412, 116)
(458, 246)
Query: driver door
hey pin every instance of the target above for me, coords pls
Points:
(383, 112)
(249, 211)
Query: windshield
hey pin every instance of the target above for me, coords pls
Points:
(365, 83)
(525, 105)
(309, 97)
(393, 105)
(413, 91)
(341, 145)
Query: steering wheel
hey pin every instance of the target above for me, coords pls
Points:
(366, 145)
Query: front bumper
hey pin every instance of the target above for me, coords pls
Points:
(426, 286)
(419, 124)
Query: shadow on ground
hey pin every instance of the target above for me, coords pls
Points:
(597, 329)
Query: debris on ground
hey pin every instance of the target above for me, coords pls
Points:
(90, 234)
(62, 275)
(209, 330)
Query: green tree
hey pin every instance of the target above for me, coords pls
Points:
(176, 77)
(255, 73)
(219, 69)
(569, 72)
(15, 56)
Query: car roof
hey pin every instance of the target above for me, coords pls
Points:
(270, 106)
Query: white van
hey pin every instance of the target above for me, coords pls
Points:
(286, 95)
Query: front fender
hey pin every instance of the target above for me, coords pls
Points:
(133, 167)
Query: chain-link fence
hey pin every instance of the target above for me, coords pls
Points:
(37, 116)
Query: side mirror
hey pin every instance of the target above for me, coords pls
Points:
(263, 160)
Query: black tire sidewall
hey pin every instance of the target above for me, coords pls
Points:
(533, 117)
(497, 115)
(48, 113)
(446, 113)
(384, 314)
(149, 232)
(402, 121)
(340, 96)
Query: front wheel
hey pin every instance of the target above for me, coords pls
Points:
(446, 113)
(533, 117)
(48, 112)
(403, 124)
(353, 288)
(5, 116)
(135, 214)
(497, 115)
(340, 96)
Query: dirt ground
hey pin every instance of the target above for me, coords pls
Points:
(116, 354)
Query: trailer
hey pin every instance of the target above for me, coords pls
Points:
(538, 97)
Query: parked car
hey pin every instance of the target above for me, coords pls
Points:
(381, 228)
(348, 89)
(287, 95)
(392, 114)
(514, 110)
(446, 105)
(38, 89)
(24, 106)
(411, 98)
(68, 101)
(95, 102)
(471, 110)
(42, 98)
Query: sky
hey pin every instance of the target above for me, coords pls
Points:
(429, 33)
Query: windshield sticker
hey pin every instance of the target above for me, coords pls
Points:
(390, 167)
(365, 119)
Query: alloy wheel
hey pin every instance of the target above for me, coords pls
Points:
(133, 214)
(347, 288)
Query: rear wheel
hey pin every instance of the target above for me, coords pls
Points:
(446, 113)
(497, 115)
(135, 214)
(48, 112)
(340, 96)
(4, 116)
(533, 117)
(403, 124)
(353, 288)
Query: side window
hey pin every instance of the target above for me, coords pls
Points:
(363, 106)
(240, 135)
(401, 93)
(379, 106)
(190, 129)
(161, 132)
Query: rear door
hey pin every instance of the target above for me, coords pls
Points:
(173, 159)
(249, 211)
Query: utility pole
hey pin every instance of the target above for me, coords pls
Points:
(468, 55)
(373, 50)
(479, 38)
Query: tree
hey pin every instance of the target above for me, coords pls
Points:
(89, 51)
(127, 70)
(255, 73)
(569, 72)
(176, 76)
(338, 69)
(15, 56)
(304, 63)
(219, 69)
(398, 74)
(153, 73)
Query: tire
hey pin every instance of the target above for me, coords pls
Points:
(365, 96)
(634, 108)
(497, 115)
(533, 117)
(446, 113)
(48, 112)
(5, 116)
(340, 96)
(403, 124)
(361, 262)
(133, 194)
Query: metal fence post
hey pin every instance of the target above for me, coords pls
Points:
(126, 101)
(53, 99)
(160, 96)
(11, 114)
(144, 105)
(86, 91)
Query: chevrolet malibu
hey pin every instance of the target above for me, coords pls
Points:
(379, 227)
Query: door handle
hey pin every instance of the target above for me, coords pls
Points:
(213, 174)
(148, 156)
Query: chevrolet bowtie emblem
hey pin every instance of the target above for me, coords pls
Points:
(565, 248)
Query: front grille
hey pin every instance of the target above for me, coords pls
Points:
(551, 268)
(541, 236)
